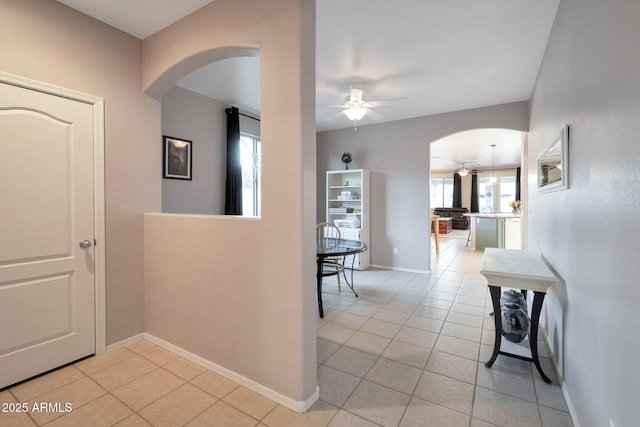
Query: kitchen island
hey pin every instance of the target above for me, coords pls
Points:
(495, 230)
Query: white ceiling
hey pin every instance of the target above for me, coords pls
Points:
(140, 18)
(235, 81)
(474, 148)
(443, 55)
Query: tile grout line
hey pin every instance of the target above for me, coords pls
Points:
(412, 395)
(379, 356)
(450, 310)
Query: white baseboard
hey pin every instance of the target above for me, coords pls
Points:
(572, 411)
(553, 357)
(563, 387)
(298, 406)
(407, 270)
(125, 342)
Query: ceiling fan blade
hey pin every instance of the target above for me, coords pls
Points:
(386, 102)
(333, 106)
(374, 115)
(335, 115)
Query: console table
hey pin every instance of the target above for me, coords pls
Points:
(517, 269)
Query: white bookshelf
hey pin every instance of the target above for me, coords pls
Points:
(348, 206)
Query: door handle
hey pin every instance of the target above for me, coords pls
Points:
(85, 244)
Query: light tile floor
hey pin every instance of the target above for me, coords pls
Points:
(410, 351)
(407, 352)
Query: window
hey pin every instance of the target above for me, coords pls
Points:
(507, 192)
(495, 197)
(251, 182)
(441, 192)
(485, 194)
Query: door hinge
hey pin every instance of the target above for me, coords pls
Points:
(95, 242)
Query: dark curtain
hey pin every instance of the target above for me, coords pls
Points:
(475, 200)
(457, 190)
(233, 194)
(518, 184)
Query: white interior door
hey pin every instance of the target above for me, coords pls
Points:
(47, 313)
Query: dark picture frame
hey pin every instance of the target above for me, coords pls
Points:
(176, 159)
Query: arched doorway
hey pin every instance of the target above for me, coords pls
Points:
(196, 110)
(478, 171)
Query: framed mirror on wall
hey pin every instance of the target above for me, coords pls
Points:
(553, 163)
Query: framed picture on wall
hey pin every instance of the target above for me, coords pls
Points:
(553, 163)
(177, 158)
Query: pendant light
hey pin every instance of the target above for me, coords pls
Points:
(464, 171)
(493, 165)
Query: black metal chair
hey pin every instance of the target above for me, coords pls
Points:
(325, 232)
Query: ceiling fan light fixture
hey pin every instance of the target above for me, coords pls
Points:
(463, 171)
(355, 113)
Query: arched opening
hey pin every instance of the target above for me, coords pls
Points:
(195, 123)
(475, 172)
(213, 283)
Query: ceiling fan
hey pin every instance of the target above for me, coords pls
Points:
(464, 171)
(356, 106)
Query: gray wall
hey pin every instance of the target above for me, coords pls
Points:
(589, 233)
(397, 153)
(191, 116)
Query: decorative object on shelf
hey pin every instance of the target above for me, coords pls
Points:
(347, 195)
(553, 163)
(340, 210)
(177, 158)
(346, 159)
(347, 223)
(515, 206)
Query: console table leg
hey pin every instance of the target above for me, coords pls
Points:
(319, 284)
(497, 320)
(538, 299)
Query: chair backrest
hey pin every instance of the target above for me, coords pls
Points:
(326, 230)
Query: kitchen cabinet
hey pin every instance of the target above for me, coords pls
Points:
(496, 231)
